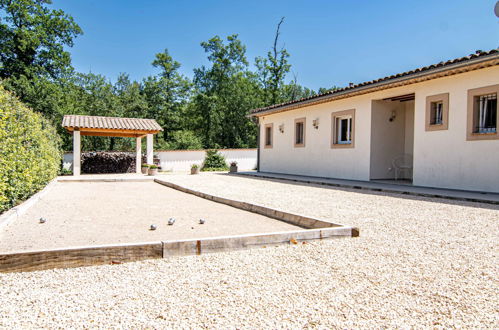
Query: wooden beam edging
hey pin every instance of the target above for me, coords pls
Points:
(294, 219)
(15, 212)
(240, 242)
(117, 254)
(79, 256)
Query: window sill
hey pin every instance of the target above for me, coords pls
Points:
(483, 133)
(436, 127)
(482, 136)
(342, 145)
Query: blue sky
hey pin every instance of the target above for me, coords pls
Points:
(330, 42)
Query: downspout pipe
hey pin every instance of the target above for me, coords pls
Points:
(258, 145)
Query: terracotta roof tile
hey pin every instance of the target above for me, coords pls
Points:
(387, 79)
(136, 124)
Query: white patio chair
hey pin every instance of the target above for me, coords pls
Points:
(402, 163)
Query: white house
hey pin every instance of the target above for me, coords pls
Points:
(436, 126)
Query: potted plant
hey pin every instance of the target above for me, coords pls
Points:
(194, 169)
(145, 168)
(233, 167)
(153, 169)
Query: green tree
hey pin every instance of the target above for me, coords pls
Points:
(225, 92)
(33, 37)
(182, 140)
(167, 94)
(272, 70)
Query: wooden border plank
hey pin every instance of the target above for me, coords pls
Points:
(240, 242)
(295, 219)
(79, 256)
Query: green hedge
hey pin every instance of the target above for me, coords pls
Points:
(29, 151)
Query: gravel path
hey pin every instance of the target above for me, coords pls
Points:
(91, 213)
(419, 262)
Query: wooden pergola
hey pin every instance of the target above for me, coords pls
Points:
(113, 127)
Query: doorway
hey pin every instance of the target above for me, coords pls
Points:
(392, 139)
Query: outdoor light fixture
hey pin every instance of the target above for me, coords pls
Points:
(281, 128)
(393, 116)
(315, 123)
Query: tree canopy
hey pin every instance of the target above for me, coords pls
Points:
(209, 111)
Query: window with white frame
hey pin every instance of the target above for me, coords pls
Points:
(437, 113)
(343, 129)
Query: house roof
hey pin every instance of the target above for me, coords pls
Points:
(110, 126)
(478, 60)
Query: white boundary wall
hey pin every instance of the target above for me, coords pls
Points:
(181, 160)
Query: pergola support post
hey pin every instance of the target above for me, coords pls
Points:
(76, 152)
(150, 151)
(138, 155)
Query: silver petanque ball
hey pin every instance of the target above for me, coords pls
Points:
(202, 221)
(171, 221)
(153, 227)
(43, 220)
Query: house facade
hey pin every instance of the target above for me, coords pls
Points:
(435, 126)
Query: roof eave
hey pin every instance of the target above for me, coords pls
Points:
(376, 86)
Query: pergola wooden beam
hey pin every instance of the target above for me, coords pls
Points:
(111, 127)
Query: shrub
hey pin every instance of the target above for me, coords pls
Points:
(29, 151)
(214, 161)
(194, 166)
(66, 171)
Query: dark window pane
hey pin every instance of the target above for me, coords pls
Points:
(299, 133)
(268, 136)
(344, 133)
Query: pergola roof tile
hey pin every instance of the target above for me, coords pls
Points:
(110, 123)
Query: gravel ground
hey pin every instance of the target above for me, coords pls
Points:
(419, 262)
(90, 213)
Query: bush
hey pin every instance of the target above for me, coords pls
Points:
(107, 162)
(214, 161)
(29, 151)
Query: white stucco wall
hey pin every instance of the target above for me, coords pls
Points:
(445, 158)
(441, 158)
(181, 160)
(317, 158)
